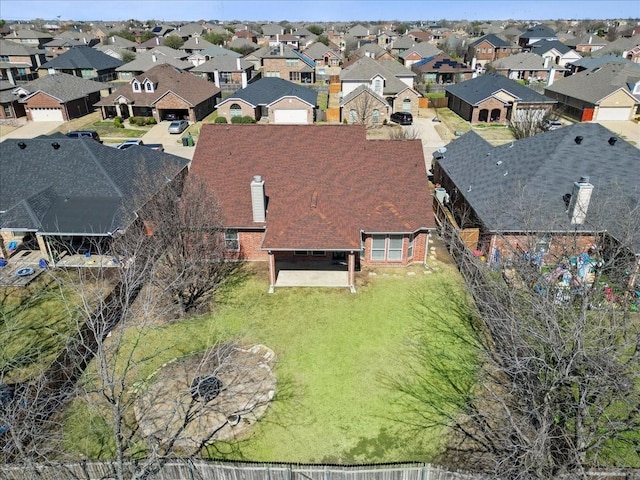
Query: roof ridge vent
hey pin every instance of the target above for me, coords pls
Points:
(612, 140)
(578, 139)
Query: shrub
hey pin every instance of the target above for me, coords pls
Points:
(117, 122)
(385, 121)
(133, 120)
(345, 121)
(220, 120)
(245, 119)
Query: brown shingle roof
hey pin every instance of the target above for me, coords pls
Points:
(187, 86)
(357, 184)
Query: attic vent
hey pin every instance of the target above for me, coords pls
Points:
(314, 200)
(578, 139)
(613, 140)
(22, 145)
(55, 145)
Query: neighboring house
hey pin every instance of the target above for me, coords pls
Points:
(150, 44)
(287, 39)
(326, 60)
(608, 92)
(626, 47)
(84, 62)
(284, 62)
(270, 31)
(242, 45)
(58, 195)
(58, 46)
(363, 106)
(19, 62)
(588, 43)
(163, 90)
(226, 72)
(145, 61)
(530, 67)
(519, 194)
(418, 52)
(419, 35)
(274, 99)
(190, 30)
(60, 97)
(10, 106)
(487, 49)
(194, 45)
(592, 63)
(31, 38)
(558, 52)
(371, 50)
(387, 79)
(255, 57)
(535, 33)
(496, 99)
(303, 202)
(441, 69)
(246, 35)
(401, 44)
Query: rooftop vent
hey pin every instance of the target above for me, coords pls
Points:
(22, 145)
(55, 145)
(613, 140)
(578, 139)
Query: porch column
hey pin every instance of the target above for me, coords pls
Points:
(130, 108)
(44, 249)
(118, 111)
(272, 272)
(351, 274)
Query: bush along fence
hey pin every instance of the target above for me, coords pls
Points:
(176, 469)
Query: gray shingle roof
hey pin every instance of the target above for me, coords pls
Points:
(538, 31)
(520, 61)
(82, 187)
(269, 89)
(593, 85)
(543, 46)
(14, 48)
(519, 187)
(480, 88)
(63, 86)
(223, 63)
(147, 60)
(366, 68)
(493, 39)
(423, 49)
(83, 58)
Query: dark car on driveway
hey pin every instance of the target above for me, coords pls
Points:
(402, 118)
(85, 134)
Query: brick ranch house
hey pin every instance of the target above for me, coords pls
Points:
(317, 197)
(553, 195)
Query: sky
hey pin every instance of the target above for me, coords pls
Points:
(312, 10)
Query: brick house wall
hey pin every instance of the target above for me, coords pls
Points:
(42, 100)
(15, 110)
(280, 65)
(247, 110)
(463, 109)
(412, 96)
(490, 104)
(172, 102)
(560, 246)
(290, 104)
(383, 108)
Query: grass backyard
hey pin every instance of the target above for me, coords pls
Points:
(333, 351)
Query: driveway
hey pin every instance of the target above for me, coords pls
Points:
(628, 130)
(431, 139)
(172, 142)
(30, 130)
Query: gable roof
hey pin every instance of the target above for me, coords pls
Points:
(484, 86)
(267, 90)
(13, 48)
(423, 49)
(521, 61)
(223, 63)
(62, 86)
(493, 39)
(196, 43)
(365, 68)
(83, 58)
(591, 63)
(441, 63)
(519, 187)
(594, 85)
(188, 87)
(543, 46)
(315, 202)
(538, 31)
(215, 50)
(362, 89)
(82, 187)
(158, 56)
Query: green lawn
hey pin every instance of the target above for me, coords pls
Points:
(333, 351)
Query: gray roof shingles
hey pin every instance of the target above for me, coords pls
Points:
(269, 89)
(83, 58)
(480, 88)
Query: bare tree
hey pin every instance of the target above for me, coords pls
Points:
(404, 134)
(365, 109)
(536, 376)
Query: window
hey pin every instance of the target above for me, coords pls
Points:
(375, 118)
(4, 58)
(294, 76)
(136, 86)
(292, 62)
(377, 86)
(272, 74)
(352, 115)
(406, 105)
(235, 110)
(148, 87)
(489, 50)
(309, 253)
(410, 249)
(231, 239)
(387, 247)
(7, 111)
(226, 77)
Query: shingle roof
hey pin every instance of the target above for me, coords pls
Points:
(269, 89)
(591, 63)
(543, 46)
(158, 56)
(493, 39)
(82, 187)
(14, 48)
(84, 58)
(594, 85)
(441, 63)
(365, 68)
(519, 187)
(388, 194)
(223, 63)
(360, 90)
(520, 61)
(190, 88)
(215, 50)
(63, 86)
(423, 49)
(480, 88)
(538, 31)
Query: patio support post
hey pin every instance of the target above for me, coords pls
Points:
(272, 272)
(351, 263)
(44, 247)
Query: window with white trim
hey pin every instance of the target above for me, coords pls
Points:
(406, 105)
(136, 86)
(352, 115)
(232, 239)
(148, 87)
(378, 247)
(387, 247)
(235, 110)
(375, 118)
(394, 252)
(410, 249)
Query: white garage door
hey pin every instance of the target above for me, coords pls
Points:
(47, 114)
(614, 113)
(290, 116)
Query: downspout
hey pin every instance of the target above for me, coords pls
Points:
(426, 248)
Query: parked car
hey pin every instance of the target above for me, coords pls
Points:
(178, 126)
(402, 118)
(135, 141)
(551, 125)
(85, 134)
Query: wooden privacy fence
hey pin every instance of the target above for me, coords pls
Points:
(205, 470)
